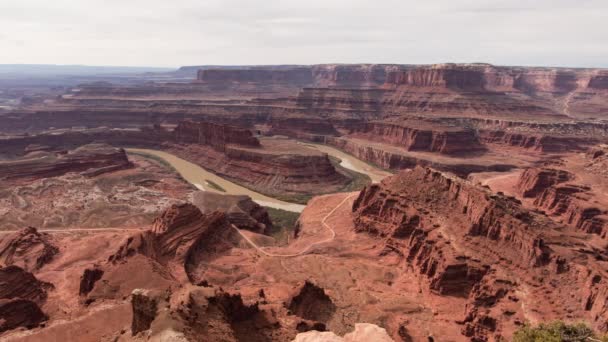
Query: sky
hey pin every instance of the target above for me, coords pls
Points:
(173, 33)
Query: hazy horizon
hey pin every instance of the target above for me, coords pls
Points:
(138, 33)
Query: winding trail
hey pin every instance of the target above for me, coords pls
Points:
(307, 249)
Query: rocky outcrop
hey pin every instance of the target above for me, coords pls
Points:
(88, 279)
(241, 211)
(440, 226)
(18, 283)
(145, 305)
(205, 314)
(182, 237)
(28, 249)
(89, 160)
(533, 181)
(312, 303)
(21, 296)
(15, 313)
(557, 193)
(363, 332)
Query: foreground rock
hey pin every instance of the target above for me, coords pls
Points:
(363, 332)
(21, 296)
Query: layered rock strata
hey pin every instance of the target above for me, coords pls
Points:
(89, 160)
(440, 227)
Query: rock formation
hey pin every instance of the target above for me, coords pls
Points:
(241, 211)
(312, 303)
(212, 134)
(89, 160)
(21, 296)
(439, 225)
(27, 249)
(363, 332)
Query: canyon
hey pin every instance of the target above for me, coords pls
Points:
(333, 202)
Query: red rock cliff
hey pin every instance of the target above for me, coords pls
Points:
(442, 228)
(215, 135)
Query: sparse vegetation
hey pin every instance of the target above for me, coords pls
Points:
(557, 331)
(284, 223)
(214, 185)
(358, 180)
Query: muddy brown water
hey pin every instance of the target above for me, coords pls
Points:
(199, 177)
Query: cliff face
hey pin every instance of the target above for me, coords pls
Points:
(535, 141)
(558, 194)
(216, 135)
(449, 76)
(441, 226)
(485, 77)
(599, 82)
(420, 137)
(398, 161)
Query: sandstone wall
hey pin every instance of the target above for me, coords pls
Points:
(442, 228)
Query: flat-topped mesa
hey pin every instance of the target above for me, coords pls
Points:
(212, 134)
(421, 136)
(321, 75)
(441, 227)
(449, 76)
(90, 160)
(489, 78)
(352, 75)
(293, 75)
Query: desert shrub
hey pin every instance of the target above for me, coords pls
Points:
(557, 332)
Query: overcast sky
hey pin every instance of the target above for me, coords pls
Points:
(195, 32)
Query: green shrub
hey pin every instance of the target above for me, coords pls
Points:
(557, 332)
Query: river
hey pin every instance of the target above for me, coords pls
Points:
(199, 177)
(351, 163)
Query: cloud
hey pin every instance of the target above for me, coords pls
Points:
(189, 32)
